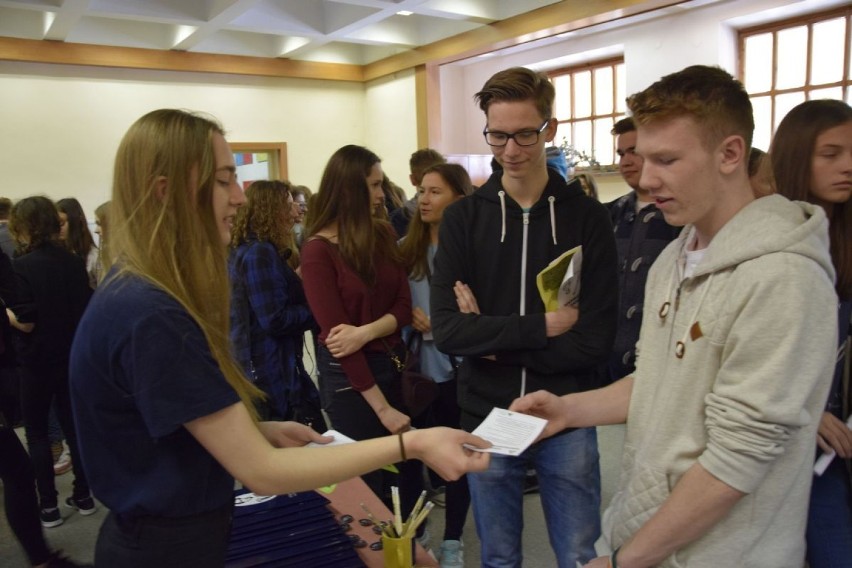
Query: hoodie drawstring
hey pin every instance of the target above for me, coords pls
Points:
(694, 329)
(551, 199)
(502, 195)
(664, 309)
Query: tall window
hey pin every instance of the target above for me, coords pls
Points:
(589, 100)
(786, 63)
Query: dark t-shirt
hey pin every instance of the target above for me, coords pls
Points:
(140, 369)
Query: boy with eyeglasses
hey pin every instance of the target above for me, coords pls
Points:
(486, 307)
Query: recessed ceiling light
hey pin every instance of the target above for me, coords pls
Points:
(404, 13)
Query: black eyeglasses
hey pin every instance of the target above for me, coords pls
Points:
(521, 138)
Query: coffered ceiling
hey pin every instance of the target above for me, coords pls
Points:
(355, 32)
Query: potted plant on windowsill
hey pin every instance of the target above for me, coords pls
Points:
(577, 157)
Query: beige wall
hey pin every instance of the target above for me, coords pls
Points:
(60, 125)
(390, 122)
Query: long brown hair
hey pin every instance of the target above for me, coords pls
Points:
(260, 218)
(344, 198)
(416, 243)
(170, 237)
(78, 239)
(792, 159)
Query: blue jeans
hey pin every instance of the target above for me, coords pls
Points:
(570, 487)
(829, 533)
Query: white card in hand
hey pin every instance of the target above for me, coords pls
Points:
(339, 439)
(510, 433)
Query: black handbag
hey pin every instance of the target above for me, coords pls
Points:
(419, 391)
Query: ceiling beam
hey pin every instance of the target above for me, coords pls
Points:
(12, 49)
(65, 18)
(208, 28)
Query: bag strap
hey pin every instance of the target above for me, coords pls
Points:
(399, 363)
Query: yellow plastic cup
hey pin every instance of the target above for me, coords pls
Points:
(398, 552)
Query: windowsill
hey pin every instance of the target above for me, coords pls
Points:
(598, 171)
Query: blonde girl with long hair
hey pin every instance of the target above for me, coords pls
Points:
(165, 414)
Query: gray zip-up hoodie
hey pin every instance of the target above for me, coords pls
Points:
(733, 372)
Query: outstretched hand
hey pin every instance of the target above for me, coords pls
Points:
(544, 405)
(291, 434)
(442, 449)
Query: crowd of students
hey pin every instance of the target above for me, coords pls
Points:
(186, 371)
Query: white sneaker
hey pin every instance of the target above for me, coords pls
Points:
(452, 554)
(62, 464)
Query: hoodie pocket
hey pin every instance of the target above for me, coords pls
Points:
(642, 491)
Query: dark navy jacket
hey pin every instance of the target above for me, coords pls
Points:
(640, 238)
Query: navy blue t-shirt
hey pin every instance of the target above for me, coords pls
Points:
(140, 369)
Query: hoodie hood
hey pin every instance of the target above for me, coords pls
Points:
(766, 225)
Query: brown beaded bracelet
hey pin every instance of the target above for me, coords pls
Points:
(402, 448)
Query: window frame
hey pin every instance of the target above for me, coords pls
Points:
(614, 115)
(808, 20)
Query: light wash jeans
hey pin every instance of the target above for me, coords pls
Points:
(570, 488)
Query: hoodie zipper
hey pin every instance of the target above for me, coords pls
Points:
(523, 303)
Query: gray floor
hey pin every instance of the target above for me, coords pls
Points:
(77, 535)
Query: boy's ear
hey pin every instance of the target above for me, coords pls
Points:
(550, 131)
(161, 187)
(732, 153)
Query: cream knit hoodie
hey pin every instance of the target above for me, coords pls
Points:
(756, 328)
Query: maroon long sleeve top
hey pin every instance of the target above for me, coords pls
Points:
(336, 294)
